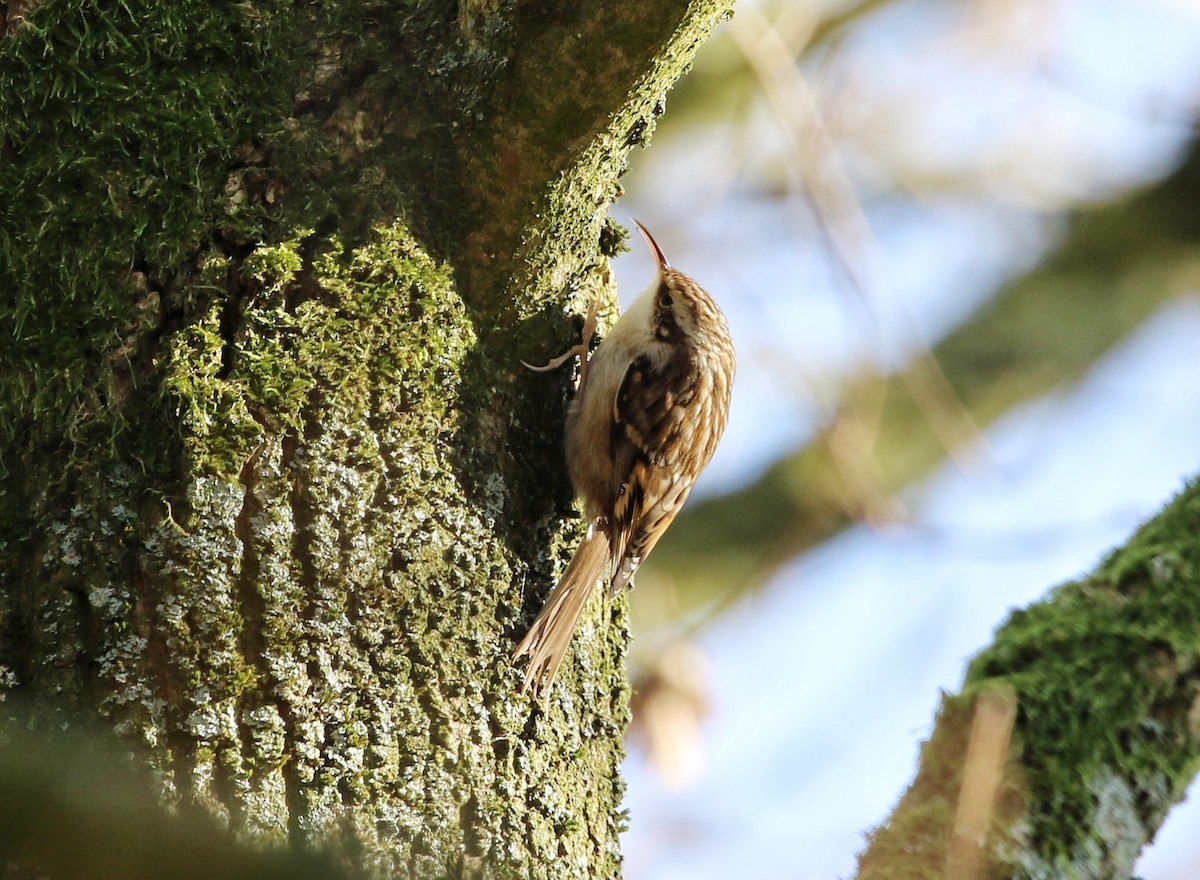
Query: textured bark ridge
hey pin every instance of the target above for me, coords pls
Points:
(277, 497)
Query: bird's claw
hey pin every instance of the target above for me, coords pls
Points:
(582, 348)
(557, 362)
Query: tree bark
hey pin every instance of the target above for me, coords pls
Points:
(277, 497)
(1106, 683)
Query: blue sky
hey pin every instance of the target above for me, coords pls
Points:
(822, 686)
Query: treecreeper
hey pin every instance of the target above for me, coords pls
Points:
(650, 408)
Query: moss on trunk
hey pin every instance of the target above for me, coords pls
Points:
(277, 497)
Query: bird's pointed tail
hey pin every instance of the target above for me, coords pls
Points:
(547, 641)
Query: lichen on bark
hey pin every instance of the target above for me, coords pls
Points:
(277, 497)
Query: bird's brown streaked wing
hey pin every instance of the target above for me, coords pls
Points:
(649, 417)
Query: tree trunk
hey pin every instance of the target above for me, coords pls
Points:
(277, 497)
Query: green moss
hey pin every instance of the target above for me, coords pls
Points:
(1107, 671)
(574, 205)
(118, 126)
(275, 523)
(146, 148)
(383, 313)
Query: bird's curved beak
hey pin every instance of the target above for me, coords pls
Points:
(659, 256)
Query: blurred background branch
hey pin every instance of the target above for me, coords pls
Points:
(1117, 264)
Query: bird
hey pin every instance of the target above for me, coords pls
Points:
(650, 408)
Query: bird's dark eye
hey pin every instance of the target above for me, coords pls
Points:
(666, 300)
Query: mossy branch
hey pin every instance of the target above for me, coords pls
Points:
(1105, 673)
